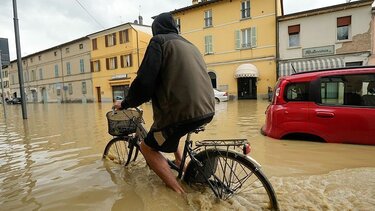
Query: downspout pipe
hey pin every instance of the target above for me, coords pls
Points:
(137, 44)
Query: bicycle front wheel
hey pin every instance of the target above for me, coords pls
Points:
(229, 173)
(120, 150)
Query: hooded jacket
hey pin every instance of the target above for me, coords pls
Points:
(173, 75)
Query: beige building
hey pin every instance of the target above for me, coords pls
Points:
(58, 74)
(238, 41)
(330, 37)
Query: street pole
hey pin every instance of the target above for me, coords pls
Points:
(19, 58)
(2, 86)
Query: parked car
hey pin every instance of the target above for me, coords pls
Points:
(220, 96)
(16, 100)
(336, 106)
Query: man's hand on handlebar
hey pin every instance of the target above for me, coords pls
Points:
(117, 105)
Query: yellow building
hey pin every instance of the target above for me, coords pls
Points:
(238, 41)
(116, 54)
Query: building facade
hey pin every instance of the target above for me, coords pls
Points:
(238, 41)
(324, 38)
(116, 54)
(59, 74)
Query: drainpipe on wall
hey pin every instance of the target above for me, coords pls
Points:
(137, 44)
(62, 75)
(277, 37)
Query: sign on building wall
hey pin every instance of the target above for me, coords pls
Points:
(4, 48)
(318, 51)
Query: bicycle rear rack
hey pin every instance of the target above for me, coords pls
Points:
(227, 144)
(224, 143)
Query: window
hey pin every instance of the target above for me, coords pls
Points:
(84, 89)
(178, 24)
(41, 74)
(66, 50)
(55, 53)
(40, 58)
(26, 76)
(208, 18)
(246, 38)
(13, 81)
(110, 40)
(124, 36)
(68, 71)
(81, 66)
(56, 70)
(245, 9)
(94, 44)
(95, 66)
(353, 64)
(126, 60)
(111, 63)
(294, 32)
(354, 90)
(208, 45)
(31, 60)
(343, 28)
(81, 46)
(297, 92)
(33, 75)
(70, 88)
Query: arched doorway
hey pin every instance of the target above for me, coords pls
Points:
(247, 75)
(213, 79)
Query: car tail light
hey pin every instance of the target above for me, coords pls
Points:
(279, 97)
(246, 149)
(225, 94)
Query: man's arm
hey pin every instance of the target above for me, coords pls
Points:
(143, 86)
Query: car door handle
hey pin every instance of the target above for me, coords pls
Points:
(325, 114)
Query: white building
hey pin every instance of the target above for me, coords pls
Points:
(324, 38)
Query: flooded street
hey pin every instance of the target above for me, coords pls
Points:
(52, 161)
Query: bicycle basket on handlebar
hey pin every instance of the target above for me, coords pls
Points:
(121, 123)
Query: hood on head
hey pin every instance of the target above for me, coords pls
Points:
(164, 24)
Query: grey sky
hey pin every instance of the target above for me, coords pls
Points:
(47, 23)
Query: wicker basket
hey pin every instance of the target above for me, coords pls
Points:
(122, 123)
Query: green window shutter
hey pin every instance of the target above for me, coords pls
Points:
(237, 39)
(253, 37)
(206, 50)
(210, 44)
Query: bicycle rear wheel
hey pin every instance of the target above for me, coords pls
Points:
(120, 150)
(229, 173)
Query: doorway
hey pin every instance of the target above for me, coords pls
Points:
(119, 92)
(99, 94)
(213, 79)
(247, 88)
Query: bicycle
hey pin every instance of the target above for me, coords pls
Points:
(216, 163)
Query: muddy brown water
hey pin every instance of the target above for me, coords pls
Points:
(52, 161)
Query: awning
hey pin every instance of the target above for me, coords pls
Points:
(285, 68)
(246, 70)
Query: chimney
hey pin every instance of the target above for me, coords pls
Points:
(140, 18)
(195, 2)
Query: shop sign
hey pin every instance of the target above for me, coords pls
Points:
(318, 51)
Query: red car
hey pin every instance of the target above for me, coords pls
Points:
(335, 106)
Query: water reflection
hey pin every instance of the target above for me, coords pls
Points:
(52, 161)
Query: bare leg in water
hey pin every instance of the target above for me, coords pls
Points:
(160, 166)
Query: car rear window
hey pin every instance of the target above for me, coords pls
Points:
(353, 90)
(297, 92)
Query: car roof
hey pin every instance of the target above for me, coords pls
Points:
(312, 75)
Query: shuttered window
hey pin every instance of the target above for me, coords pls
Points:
(208, 45)
(246, 38)
(343, 28)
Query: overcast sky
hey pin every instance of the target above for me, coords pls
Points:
(47, 23)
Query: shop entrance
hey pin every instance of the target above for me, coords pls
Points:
(247, 88)
(119, 92)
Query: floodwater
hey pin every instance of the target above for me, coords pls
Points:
(52, 161)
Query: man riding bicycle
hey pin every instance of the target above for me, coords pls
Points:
(173, 75)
